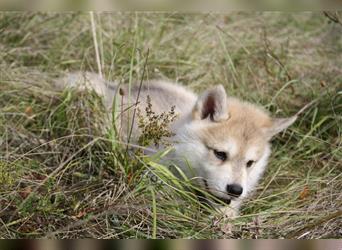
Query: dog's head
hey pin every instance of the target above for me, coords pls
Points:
(226, 143)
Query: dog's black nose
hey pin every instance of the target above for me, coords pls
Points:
(234, 189)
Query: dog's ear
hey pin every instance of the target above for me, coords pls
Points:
(279, 124)
(212, 104)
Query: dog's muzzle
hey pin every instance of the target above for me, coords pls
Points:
(202, 198)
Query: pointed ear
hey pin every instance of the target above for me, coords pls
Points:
(280, 124)
(213, 104)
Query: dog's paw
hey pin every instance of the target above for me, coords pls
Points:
(223, 220)
(228, 212)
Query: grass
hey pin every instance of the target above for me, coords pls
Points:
(61, 177)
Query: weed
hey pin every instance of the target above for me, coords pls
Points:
(154, 127)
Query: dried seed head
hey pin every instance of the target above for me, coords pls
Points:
(154, 127)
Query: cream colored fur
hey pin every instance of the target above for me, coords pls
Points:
(211, 121)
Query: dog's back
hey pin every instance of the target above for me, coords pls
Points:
(162, 95)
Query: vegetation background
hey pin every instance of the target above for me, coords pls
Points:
(60, 177)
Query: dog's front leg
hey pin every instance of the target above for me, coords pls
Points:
(228, 212)
(225, 215)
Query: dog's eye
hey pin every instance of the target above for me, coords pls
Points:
(220, 155)
(250, 163)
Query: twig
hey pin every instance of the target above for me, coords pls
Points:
(137, 99)
(93, 27)
(333, 17)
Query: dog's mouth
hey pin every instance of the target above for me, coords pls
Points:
(224, 200)
(202, 197)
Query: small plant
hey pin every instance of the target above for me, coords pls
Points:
(155, 127)
(7, 177)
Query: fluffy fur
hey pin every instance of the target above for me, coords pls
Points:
(206, 124)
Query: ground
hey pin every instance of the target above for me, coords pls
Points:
(61, 177)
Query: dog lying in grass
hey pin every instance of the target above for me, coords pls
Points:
(220, 142)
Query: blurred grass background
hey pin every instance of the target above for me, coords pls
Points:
(60, 177)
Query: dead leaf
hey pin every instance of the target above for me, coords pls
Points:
(305, 193)
(323, 84)
(24, 193)
(29, 111)
(80, 214)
